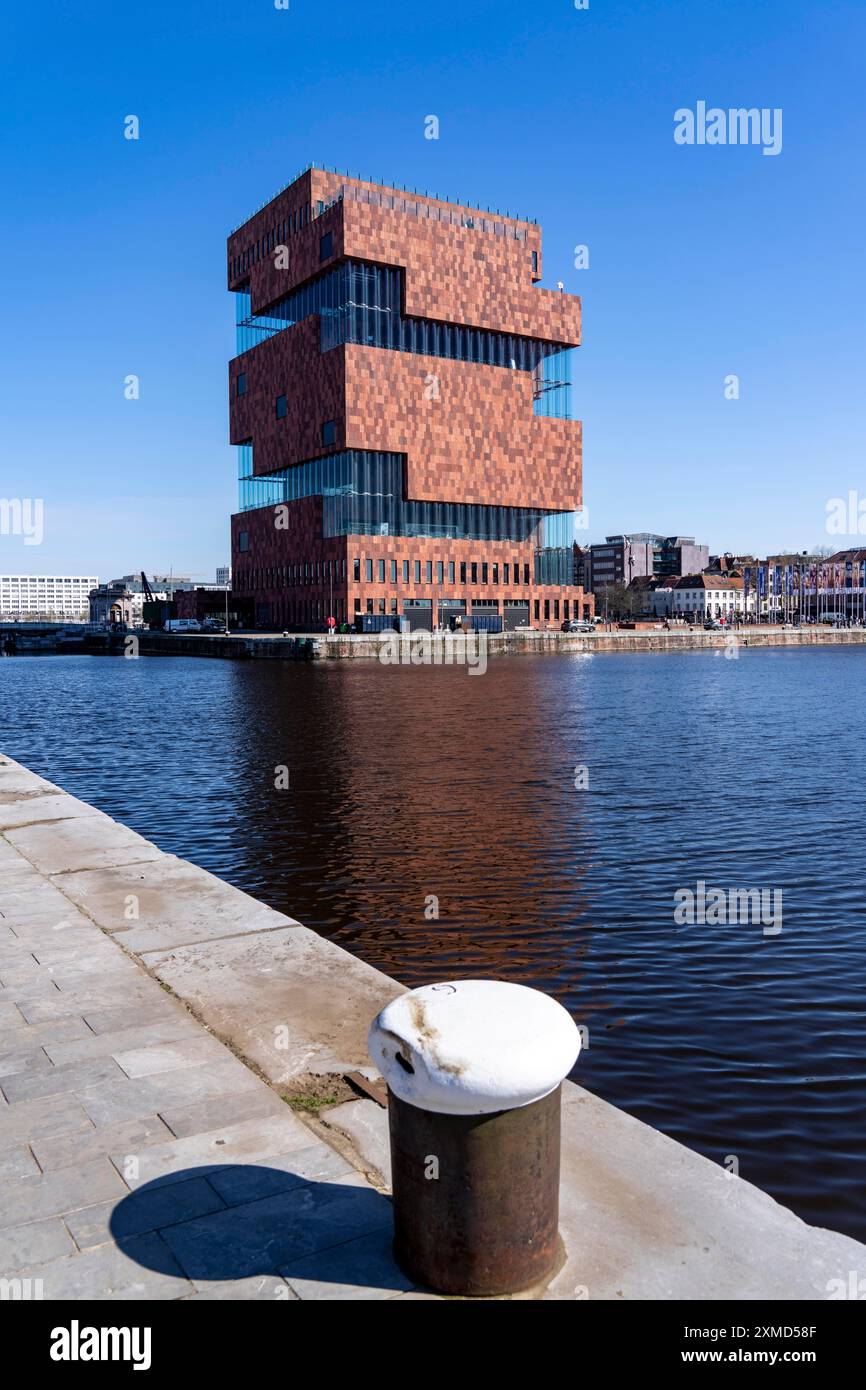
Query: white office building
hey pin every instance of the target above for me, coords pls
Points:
(45, 598)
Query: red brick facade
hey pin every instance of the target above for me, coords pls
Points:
(467, 431)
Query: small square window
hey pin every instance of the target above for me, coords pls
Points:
(242, 383)
(326, 246)
(281, 407)
(329, 432)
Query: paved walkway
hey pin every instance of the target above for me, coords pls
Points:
(139, 1158)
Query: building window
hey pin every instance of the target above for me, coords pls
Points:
(546, 609)
(242, 383)
(393, 571)
(556, 608)
(526, 574)
(535, 609)
(326, 246)
(380, 571)
(565, 608)
(243, 540)
(281, 407)
(405, 571)
(356, 571)
(417, 571)
(369, 605)
(462, 571)
(450, 571)
(495, 574)
(368, 570)
(506, 571)
(474, 572)
(485, 573)
(357, 605)
(428, 572)
(329, 432)
(535, 260)
(440, 572)
(393, 605)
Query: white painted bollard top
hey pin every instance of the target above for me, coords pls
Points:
(473, 1047)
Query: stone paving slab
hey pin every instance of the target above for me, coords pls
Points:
(30, 810)
(365, 1125)
(288, 1000)
(126, 1136)
(358, 1269)
(258, 1286)
(82, 842)
(266, 1236)
(140, 1268)
(175, 902)
(201, 1117)
(34, 1243)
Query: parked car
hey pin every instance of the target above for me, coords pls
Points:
(578, 625)
(711, 625)
(183, 625)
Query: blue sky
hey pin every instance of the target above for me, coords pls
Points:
(704, 261)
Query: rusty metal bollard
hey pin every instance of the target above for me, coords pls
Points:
(474, 1071)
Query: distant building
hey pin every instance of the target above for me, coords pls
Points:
(45, 598)
(626, 557)
(165, 583)
(705, 596)
(113, 603)
(211, 601)
(224, 575)
(656, 594)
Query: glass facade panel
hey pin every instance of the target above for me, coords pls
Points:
(360, 303)
(363, 495)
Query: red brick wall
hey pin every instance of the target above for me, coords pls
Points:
(261, 570)
(314, 384)
(454, 274)
(478, 442)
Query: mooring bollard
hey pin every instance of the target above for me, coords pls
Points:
(474, 1070)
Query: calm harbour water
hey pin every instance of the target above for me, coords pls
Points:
(411, 782)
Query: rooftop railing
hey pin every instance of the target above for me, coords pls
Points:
(325, 169)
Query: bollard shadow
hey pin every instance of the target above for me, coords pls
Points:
(227, 1222)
